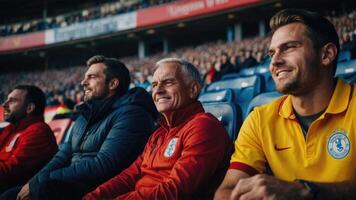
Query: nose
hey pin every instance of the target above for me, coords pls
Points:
(159, 89)
(277, 59)
(5, 104)
(83, 82)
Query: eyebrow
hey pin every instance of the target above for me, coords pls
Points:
(165, 80)
(287, 43)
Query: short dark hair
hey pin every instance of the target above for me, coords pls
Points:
(36, 96)
(114, 69)
(319, 29)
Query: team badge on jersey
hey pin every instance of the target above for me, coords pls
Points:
(170, 148)
(339, 145)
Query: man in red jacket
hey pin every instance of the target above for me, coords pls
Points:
(28, 143)
(186, 156)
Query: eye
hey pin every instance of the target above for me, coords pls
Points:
(168, 83)
(270, 53)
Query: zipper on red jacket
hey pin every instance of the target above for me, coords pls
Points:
(161, 139)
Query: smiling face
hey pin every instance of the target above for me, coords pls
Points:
(170, 92)
(294, 62)
(15, 106)
(94, 83)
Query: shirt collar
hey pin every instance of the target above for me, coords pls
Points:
(338, 103)
(182, 115)
(24, 123)
(340, 99)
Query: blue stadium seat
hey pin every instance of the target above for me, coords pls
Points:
(228, 113)
(347, 70)
(268, 84)
(245, 88)
(224, 95)
(247, 71)
(262, 99)
(344, 56)
(230, 76)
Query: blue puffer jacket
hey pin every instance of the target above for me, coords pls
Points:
(106, 138)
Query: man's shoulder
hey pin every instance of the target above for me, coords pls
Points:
(39, 125)
(271, 107)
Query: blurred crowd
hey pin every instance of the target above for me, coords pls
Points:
(213, 60)
(104, 10)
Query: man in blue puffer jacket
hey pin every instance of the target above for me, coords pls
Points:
(110, 132)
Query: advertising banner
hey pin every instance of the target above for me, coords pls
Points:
(93, 28)
(24, 41)
(185, 9)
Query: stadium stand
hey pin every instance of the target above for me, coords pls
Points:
(245, 88)
(347, 71)
(66, 19)
(228, 113)
(224, 95)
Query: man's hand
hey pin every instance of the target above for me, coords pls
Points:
(268, 188)
(24, 193)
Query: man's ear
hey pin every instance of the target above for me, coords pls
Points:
(194, 90)
(30, 108)
(329, 52)
(114, 84)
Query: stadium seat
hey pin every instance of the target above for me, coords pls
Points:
(245, 88)
(224, 95)
(347, 71)
(230, 76)
(228, 113)
(247, 71)
(262, 99)
(344, 56)
(59, 128)
(268, 84)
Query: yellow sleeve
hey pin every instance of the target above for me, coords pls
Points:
(249, 156)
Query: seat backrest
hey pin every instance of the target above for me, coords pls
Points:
(230, 76)
(346, 70)
(261, 99)
(224, 95)
(59, 128)
(228, 113)
(236, 83)
(344, 56)
(245, 88)
(247, 71)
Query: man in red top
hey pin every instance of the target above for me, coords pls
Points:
(186, 156)
(28, 143)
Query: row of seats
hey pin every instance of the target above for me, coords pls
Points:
(234, 97)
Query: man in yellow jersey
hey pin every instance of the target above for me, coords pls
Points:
(306, 140)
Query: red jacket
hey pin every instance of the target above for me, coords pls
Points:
(24, 150)
(185, 160)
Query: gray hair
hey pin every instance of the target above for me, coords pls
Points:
(191, 72)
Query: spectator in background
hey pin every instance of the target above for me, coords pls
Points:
(186, 156)
(306, 138)
(347, 44)
(226, 66)
(28, 143)
(143, 82)
(249, 60)
(106, 137)
(210, 74)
